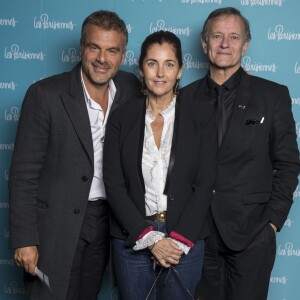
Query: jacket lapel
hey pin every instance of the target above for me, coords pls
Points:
(117, 99)
(123, 93)
(141, 143)
(75, 106)
(174, 145)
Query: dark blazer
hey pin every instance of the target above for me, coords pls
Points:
(52, 170)
(258, 161)
(190, 175)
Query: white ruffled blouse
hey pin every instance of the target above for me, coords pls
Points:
(155, 163)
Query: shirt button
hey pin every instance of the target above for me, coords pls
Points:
(171, 197)
(76, 211)
(84, 178)
(102, 140)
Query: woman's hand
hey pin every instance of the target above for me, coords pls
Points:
(166, 252)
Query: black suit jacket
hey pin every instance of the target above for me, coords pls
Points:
(52, 171)
(190, 176)
(258, 161)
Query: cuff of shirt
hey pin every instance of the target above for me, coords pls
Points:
(182, 246)
(148, 229)
(148, 240)
(181, 239)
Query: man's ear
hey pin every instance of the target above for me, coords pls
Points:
(245, 47)
(204, 45)
(123, 57)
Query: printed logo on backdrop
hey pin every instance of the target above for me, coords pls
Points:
(7, 262)
(258, 67)
(72, 55)
(296, 101)
(288, 222)
(288, 250)
(5, 233)
(201, 2)
(130, 59)
(129, 28)
(161, 25)
(4, 205)
(189, 63)
(13, 288)
(297, 68)
(8, 22)
(298, 133)
(6, 173)
(7, 146)
(262, 2)
(8, 86)
(43, 22)
(279, 280)
(15, 53)
(279, 33)
(297, 191)
(12, 114)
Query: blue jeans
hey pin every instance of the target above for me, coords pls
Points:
(135, 275)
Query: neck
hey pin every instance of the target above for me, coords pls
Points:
(221, 75)
(157, 104)
(99, 94)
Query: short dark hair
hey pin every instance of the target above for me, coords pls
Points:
(106, 20)
(160, 37)
(225, 11)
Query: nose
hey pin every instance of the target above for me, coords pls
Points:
(101, 56)
(224, 42)
(160, 71)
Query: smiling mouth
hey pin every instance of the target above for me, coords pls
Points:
(100, 68)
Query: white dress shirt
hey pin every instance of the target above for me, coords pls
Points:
(98, 120)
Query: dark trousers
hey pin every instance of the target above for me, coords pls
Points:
(92, 253)
(237, 275)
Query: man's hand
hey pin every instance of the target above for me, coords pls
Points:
(166, 252)
(27, 257)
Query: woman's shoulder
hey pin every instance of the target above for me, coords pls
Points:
(130, 108)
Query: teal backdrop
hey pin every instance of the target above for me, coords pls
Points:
(39, 38)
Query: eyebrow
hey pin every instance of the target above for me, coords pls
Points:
(168, 60)
(219, 32)
(115, 48)
(96, 45)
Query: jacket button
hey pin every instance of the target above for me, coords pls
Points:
(214, 191)
(84, 178)
(76, 211)
(171, 197)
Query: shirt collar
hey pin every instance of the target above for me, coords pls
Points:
(167, 112)
(230, 84)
